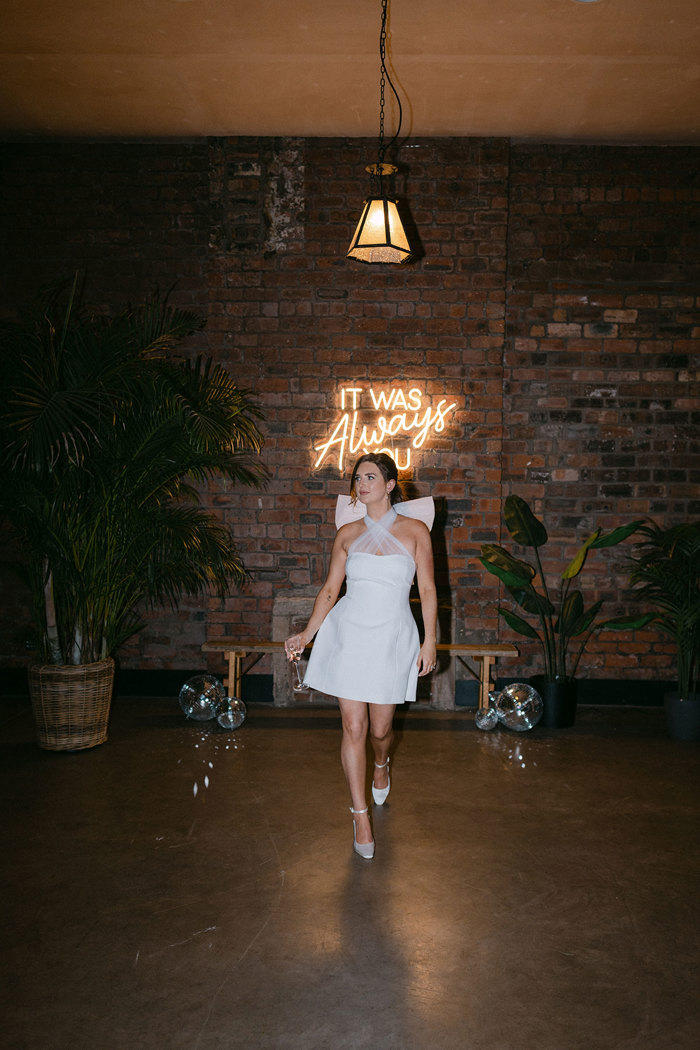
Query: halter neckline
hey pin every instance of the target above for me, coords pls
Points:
(385, 522)
(377, 539)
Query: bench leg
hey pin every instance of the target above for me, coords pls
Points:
(235, 673)
(485, 681)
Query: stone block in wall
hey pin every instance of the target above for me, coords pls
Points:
(256, 195)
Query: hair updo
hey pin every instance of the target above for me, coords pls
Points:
(388, 470)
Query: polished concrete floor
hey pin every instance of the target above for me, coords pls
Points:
(186, 887)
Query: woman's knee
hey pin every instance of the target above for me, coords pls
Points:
(355, 729)
(380, 734)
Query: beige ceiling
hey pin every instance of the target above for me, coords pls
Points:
(615, 70)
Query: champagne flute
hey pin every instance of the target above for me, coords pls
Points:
(296, 657)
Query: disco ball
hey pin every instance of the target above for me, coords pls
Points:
(202, 697)
(233, 713)
(487, 717)
(519, 706)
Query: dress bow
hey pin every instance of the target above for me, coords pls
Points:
(424, 509)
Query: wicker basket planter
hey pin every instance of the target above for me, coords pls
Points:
(71, 704)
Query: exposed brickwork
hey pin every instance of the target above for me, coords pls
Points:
(297, 325)
(554, 297)
(131, 217)
(602, 387)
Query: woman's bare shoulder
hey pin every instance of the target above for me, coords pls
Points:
(412, 526)
(351, 528)
(348, 533)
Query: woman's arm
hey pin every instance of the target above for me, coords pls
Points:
(325, 599)
(425, 574)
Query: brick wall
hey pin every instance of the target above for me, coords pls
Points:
(554, 298)
(299, 323)
(601, 381)
(130, 216)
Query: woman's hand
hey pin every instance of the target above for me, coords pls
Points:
(294, 646)
(427, 659)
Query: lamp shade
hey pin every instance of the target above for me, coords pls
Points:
(380, 236)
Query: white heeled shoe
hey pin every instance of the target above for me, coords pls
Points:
(380, 794)
(363, 849)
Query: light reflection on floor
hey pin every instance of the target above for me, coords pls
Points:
(211, 744)
(515, 751)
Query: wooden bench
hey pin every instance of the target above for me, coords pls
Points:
(237, 651)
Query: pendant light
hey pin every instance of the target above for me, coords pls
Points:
(380, 236)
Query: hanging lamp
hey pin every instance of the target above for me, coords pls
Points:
(380, 236)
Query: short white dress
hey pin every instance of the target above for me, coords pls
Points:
(367, 647)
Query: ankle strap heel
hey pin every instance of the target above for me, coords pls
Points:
(380, 794)
(363, 849)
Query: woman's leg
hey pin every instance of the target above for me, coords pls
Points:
(381, 734)
(353, 755)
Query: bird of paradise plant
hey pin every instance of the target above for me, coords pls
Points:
(560, 617)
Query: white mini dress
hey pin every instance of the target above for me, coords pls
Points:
(367, 647)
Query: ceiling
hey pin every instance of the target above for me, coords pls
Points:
(608, 70)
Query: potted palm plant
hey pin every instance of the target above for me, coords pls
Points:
(665, 573)
(563, 621)
(105, 436)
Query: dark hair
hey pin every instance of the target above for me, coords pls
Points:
(388, 471)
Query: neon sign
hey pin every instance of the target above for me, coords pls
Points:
(400, 415)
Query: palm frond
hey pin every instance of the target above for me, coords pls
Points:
(665, 574)
(106, 438)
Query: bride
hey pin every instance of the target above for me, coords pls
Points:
(367, 651)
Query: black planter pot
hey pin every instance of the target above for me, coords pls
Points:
(559, 700)
(682, 717)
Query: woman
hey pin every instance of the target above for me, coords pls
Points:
(367, 651)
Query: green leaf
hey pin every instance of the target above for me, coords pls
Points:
(574, 567)
(570, 614)
(626, 623)
(497, 558)
(610, 539)
(518, 624)
(522, 524)
(586, 619)
(531, 601)
(505, 577)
